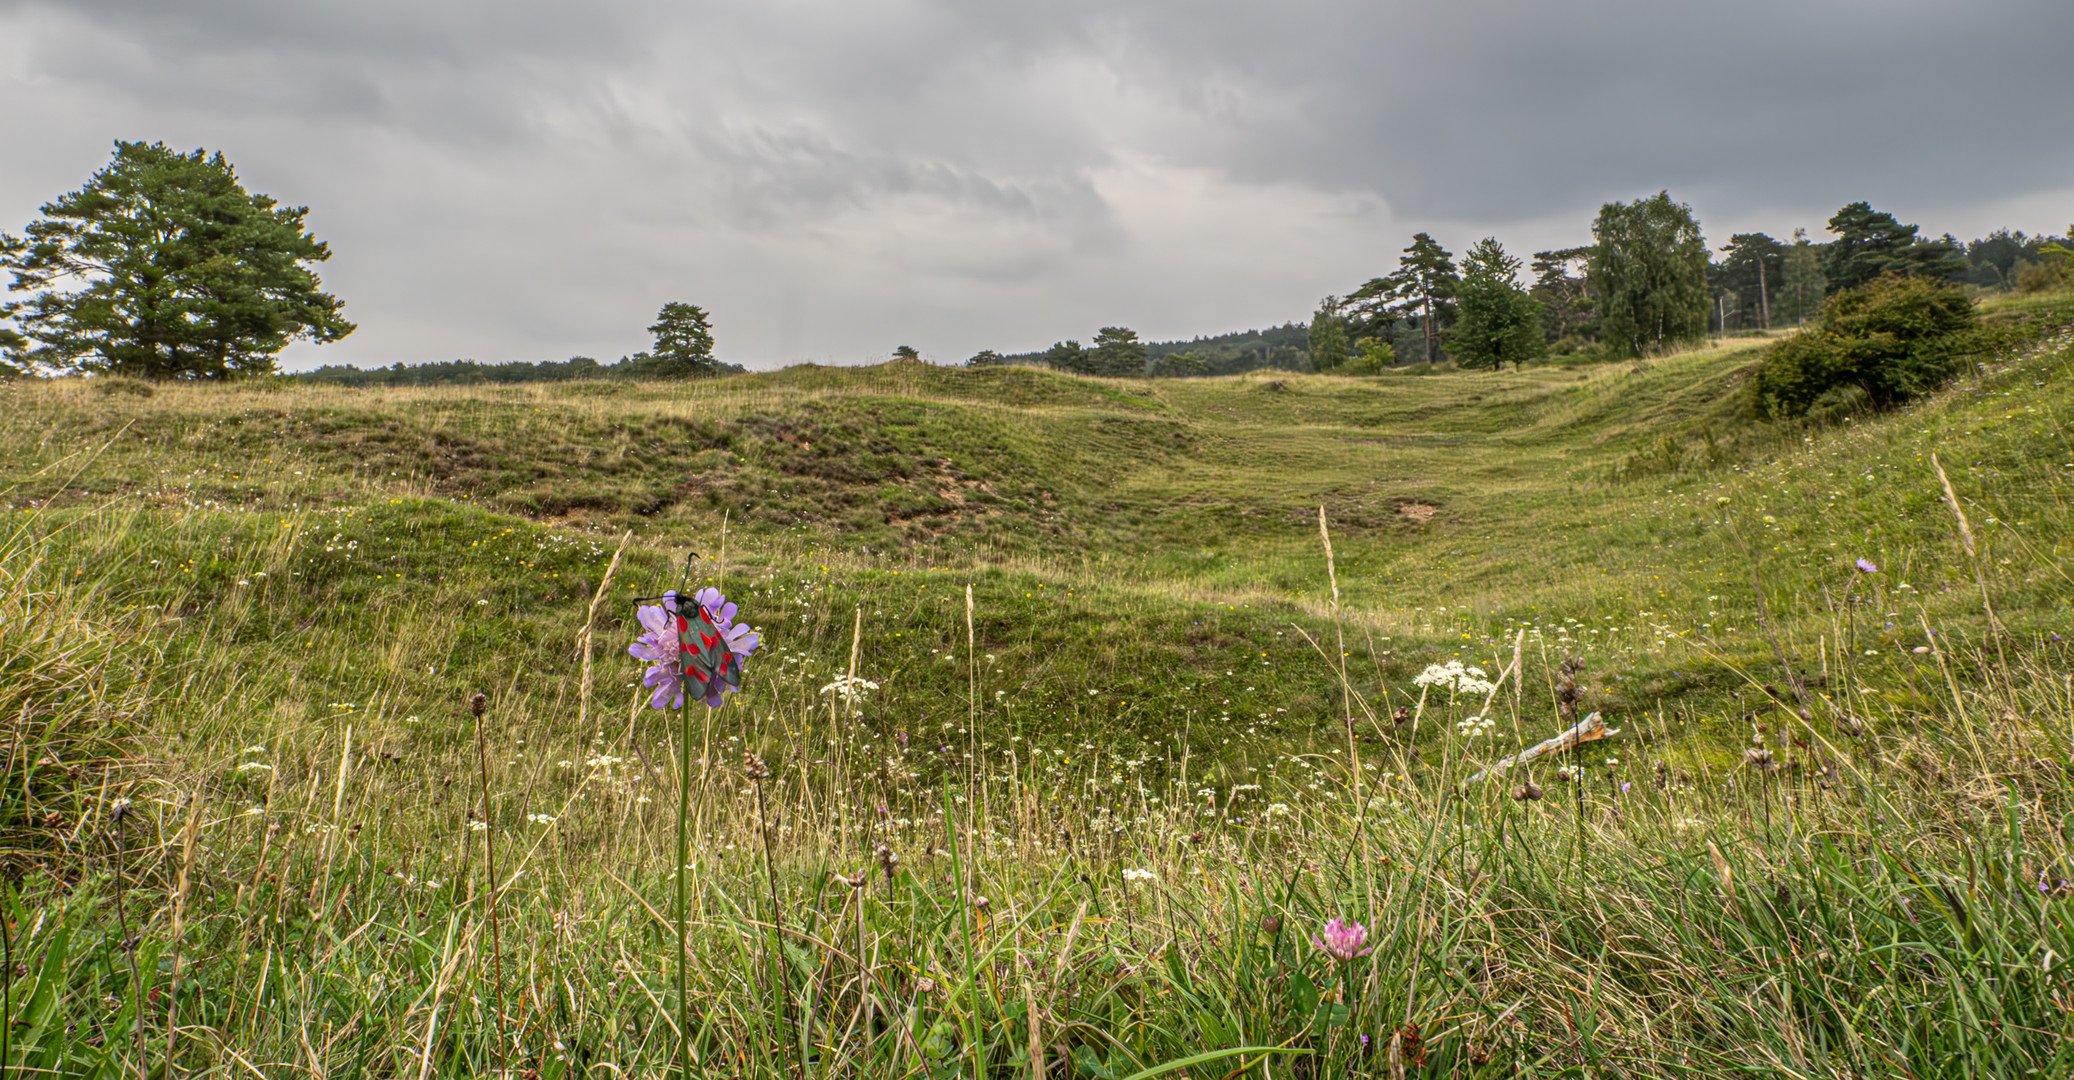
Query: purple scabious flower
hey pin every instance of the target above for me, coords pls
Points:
(665, 650)
(1343, 940)
(740, 639)
(658, 645)
(1867, 566)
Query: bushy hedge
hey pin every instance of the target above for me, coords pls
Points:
(1881, 343)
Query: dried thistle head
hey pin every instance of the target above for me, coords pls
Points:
(754, 768)
(1567, 693)
(1527, 792)
(857, 880)
(889, 861)
(1761, 759)
(478, 704)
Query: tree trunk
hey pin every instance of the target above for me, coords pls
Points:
(1428, 327)
(1764, 300)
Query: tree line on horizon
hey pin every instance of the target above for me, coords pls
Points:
(163, 266)
(1649, 282)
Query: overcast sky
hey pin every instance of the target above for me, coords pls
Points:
(521, 180)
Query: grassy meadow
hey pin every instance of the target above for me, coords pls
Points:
(1067, 736)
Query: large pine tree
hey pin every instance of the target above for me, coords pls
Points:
(1422, 288)
(164, 266)
(1870, 243)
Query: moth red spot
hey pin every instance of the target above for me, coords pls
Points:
(707, 641)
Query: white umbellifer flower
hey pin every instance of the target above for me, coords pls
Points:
(541, 819)
(849, 687)
(1135, 876)
(255, 765)
(1453, 677)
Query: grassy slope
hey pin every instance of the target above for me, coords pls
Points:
(1147, 535)
(252, 572)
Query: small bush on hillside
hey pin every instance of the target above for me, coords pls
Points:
(2054, 272)
(1891, 339)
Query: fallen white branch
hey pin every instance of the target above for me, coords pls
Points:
(1586, 730)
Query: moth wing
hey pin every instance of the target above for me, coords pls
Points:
(706, 655)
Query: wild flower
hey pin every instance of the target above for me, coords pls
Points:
(849, 687)
(1454, 677)
(664, 646)
(1867, 566)
(1342, 940)
(1133, 876)
(1471, 727)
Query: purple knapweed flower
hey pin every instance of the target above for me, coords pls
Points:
(1343, 940)
(1867, 566)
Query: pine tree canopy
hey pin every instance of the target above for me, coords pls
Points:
(1870, 243)
(683, 341)
(164, 266)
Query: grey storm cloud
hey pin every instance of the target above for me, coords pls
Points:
(524, 180)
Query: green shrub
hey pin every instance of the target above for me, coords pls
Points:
(2053, 273)
(1880, 344)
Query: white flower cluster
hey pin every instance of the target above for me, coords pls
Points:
(850, 688)
(1135, 876)
(1454, 677)
(1472, 726)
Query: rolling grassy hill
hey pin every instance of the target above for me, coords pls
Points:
(275, 601)
(1149, 533)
